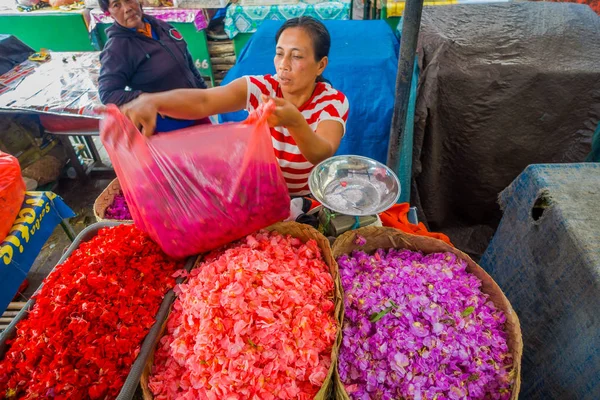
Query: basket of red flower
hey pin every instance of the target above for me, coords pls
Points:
(82, 333)
(259, 318)
(422, 320)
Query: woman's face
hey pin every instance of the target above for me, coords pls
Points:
(295, 61)
(127, 13)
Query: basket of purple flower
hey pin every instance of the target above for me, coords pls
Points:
(111, 204)
(422, 321)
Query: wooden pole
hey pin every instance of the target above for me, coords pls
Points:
(411, 22)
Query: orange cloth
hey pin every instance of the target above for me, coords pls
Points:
(313, 203)
(397, 217)
(147, 31)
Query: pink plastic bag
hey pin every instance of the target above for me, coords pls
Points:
(199, 188)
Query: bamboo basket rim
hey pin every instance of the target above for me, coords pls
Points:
(304, 233)
(105, 199)
(387, 238)
(147, 394)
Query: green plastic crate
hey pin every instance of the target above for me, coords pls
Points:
(54, 31)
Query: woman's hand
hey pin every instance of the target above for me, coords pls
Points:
(285, 113)
(142, 112)
(317, 145)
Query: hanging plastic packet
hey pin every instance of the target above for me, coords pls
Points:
(12, 192)
(199, 188)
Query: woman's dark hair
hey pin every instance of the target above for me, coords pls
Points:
(104, 5)
(317, 32)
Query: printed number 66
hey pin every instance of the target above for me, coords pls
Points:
(203, 65)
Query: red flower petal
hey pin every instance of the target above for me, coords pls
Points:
(90, 317)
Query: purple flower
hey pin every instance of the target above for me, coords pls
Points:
(417, 326)
(118, 209)
(400, 363)
(360, 240)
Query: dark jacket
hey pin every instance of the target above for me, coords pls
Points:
(144, 64)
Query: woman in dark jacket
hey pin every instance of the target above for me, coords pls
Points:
(144, 55)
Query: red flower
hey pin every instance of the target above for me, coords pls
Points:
(97, 391)
(90, 317)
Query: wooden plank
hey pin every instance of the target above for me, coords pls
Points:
(5, 320)
(221, 53)
(16, 305)
(220, 47)
(10, 313)
(220, 43)
(223, 67)
(223, 60)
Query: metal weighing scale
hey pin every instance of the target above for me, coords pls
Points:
(352, 190)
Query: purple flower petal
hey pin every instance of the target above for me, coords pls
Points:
(435, 333)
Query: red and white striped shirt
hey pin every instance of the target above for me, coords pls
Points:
(325, 104)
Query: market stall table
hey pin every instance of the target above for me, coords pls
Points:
(241, 21)
(40, 214)
(46, 28)
(64, 92)
(191, 23)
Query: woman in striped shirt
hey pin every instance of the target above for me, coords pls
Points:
(310, 116)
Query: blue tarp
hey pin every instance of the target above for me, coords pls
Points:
(545, 256)
(362, 64)
(594, 156)
(40, 214)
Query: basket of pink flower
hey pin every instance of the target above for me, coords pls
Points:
(422, 321)
(257, 319)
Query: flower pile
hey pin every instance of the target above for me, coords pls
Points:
(89, 319)
(418, 327)
(254, 321)
(118, 209)
(209, 204)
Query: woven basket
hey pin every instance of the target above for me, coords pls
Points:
(304, 233)
(148, 367)
(105, 199)
(387, 238)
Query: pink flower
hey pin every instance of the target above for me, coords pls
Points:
(180, 273)
(254, 321)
